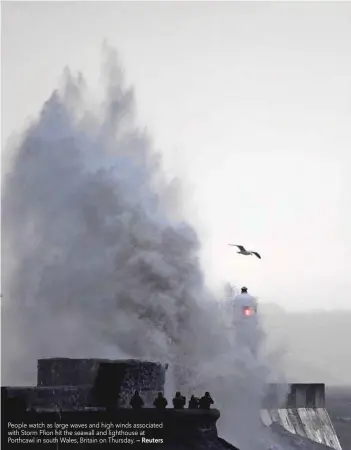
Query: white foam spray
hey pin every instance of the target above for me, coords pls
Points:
(97, 263)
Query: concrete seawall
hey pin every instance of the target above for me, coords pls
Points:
(301, 411)
(89, 389)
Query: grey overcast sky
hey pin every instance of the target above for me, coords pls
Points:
(248, 102)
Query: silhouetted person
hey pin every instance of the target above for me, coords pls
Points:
(206, 401)
(136, 401)
(160, 402)
(178, 401)
(193, 402)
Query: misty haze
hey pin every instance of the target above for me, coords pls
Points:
(317, 343)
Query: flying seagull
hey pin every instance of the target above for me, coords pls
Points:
(243, 251)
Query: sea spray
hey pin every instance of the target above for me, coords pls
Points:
(97, 262)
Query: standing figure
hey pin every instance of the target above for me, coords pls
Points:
(193, 402)
(136, 401)
(206, 401)
(178, 401)
(160, 402)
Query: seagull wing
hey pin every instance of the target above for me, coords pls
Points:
(255, 253)
(240, 247)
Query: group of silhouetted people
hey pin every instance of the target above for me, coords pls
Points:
(178, 401)
(204, 402)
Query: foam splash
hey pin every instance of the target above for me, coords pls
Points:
(98, 262)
